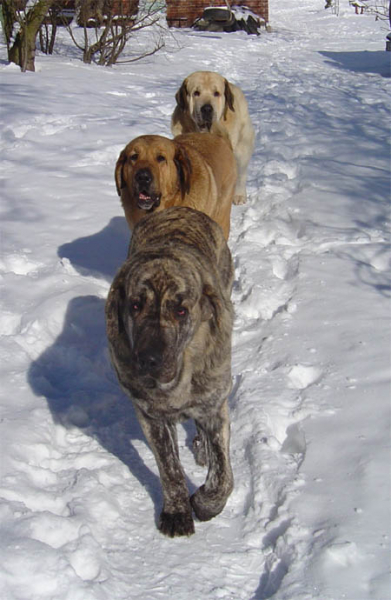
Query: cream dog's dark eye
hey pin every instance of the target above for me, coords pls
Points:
(216, 94)
(196, 94)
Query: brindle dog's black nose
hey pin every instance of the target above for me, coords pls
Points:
(143, 177)
(149, 361)
(207, 111)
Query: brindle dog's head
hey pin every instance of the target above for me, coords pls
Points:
(207, 97)
(168, 312)
(152, 168)
(161, 303)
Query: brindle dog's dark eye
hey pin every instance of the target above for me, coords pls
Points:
(181, 312)
(160, 158)
(133, 157)
(135, 306)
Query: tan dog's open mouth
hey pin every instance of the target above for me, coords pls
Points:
(148, 202)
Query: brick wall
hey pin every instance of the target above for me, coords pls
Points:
(124, 7)
(183, 13)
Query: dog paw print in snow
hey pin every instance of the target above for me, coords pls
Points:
(20, 264)
(302, 376)
(262, 302)
(342, 554)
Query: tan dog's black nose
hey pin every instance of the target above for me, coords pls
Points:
(143, 177)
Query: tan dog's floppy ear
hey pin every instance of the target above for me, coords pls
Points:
(229, 98)
(181, 97)
(119, 180)
(183, 166)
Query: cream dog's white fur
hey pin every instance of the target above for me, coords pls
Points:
(206, 98)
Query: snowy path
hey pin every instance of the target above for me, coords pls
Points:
(80, 491)
(321, 132)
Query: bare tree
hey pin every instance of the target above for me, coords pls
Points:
(21, 25)
(61, 12)
(108, 25)
(380, 8)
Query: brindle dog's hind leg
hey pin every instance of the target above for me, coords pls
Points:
(176, 517)
(210, 499)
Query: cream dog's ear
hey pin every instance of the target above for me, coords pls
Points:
(181, 97)
(229, 98)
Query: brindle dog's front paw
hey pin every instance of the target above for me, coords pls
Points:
(207, 505)
(176, 524)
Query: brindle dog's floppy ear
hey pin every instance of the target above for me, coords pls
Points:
(211, 306)
(183, 165)
(115, 312)
(119, 180)
(229, 98)
(181, 97)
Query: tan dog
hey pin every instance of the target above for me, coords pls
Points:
(205, 98)
(169, 323)
(194, 170)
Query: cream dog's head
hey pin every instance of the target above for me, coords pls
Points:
(207, 97)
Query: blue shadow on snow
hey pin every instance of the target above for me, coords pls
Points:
(378, 62)
(76, 378)
(101, 253)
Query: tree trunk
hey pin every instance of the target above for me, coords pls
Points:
(22, 51)
(8, 20)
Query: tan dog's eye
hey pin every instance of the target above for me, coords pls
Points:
(217, 94)
(133, 157)
(160, 158)
(196, 93)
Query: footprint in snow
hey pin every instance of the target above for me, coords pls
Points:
(343, 554)
(302, 376)
(44, 124)
(281, 167)
(263, 302)
(20, 264)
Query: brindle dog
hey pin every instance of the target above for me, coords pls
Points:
(169, 324)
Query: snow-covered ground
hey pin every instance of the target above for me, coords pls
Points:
(310, 514)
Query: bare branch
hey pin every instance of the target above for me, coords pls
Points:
(112, 31)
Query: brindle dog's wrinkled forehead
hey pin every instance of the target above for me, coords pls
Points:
(164, 278)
